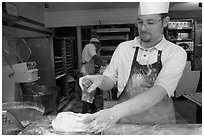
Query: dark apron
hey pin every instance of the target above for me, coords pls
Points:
(141, 78)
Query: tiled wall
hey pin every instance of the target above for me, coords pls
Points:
(90, 17)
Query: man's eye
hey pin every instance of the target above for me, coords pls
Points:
(150, 22)
(140, 22)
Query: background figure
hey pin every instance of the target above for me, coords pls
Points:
(91, 64)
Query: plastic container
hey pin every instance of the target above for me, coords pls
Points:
(86, 96)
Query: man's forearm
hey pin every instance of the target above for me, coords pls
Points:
(141, 102)
(107, 84)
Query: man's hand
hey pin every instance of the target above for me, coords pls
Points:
(101, 120)
(91, 82)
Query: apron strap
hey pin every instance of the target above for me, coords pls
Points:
(135, 55)
(159, 55)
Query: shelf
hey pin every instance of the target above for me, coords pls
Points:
(108, 30)
(57, 73)
(110, 38)
(55, 57)
(59, 61)
(109, 48)
(106, 57)
(86, 40)
(57, 77)
(59, 69)
(182, 28)
(63, 102)
(190, 52)
(121, 37)
(177, 40)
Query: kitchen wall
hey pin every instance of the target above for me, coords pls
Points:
(106, 16)
(189, 14)
(90, 17)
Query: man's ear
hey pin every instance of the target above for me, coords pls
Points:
(166, 21)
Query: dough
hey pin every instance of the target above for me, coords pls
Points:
(69, 122)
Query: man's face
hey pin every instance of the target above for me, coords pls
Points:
(150, 27)
(97, 45)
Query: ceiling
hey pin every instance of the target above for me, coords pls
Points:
(69, 6)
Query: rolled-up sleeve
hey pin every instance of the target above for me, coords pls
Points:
(112, 69)
(172, 71)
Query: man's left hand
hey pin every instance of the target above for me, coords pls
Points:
(101, 120)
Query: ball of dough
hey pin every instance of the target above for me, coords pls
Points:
(69, 122)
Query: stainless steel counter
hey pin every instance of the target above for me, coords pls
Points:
(44, 127)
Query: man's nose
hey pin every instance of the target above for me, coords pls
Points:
(144, 26)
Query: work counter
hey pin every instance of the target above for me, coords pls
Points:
(44, 127)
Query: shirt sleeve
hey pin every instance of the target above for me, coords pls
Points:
(112, 69)
(92, 50)
(172, 71)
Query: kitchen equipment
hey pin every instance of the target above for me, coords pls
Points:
(21, 50)
(16, 69)
(188, 46)
(10, 124)
(20, 72)
(41, 95)
(17, 115)
(25, 73)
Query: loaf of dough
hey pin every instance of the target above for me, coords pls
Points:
(69, 122)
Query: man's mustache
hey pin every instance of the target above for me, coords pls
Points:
(144, 32)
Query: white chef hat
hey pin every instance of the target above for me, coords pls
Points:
(94, 40)
(146, 8)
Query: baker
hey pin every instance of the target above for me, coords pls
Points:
(90, 60)
(146, 71)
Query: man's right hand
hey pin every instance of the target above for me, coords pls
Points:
(91, 82)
